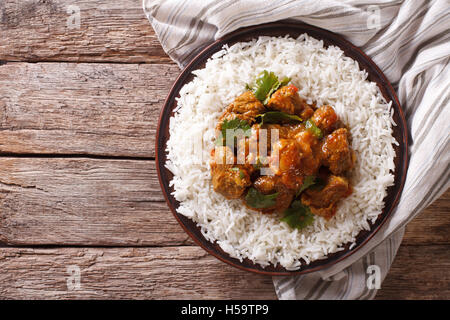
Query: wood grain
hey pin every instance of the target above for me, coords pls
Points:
(96, 109)
(185, 273)
(126, 273)
(93, 202)
(101, 202)
(432, 225)
(77, 115)
(418, 272)
(109, 31)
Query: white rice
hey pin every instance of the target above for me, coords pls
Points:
(324, 75)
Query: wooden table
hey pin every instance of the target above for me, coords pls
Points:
(78, 186)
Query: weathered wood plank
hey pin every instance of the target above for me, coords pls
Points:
(79, 201)
(186, 273)
(125, 273)
(418, 272)
(108, 31)
(65, 108)
(432, 225)
(59, 201)
(100, 202)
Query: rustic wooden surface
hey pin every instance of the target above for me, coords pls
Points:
(78, 186)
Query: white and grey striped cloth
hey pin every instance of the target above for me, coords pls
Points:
(408, 40)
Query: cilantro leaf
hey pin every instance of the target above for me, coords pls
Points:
(234, 125)
(278, 117)
(307, 182)
(274, 88)
(266, 84)
(284, 82)
(257, 200)
(298, 216)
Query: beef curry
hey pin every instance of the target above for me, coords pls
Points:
(305, 169)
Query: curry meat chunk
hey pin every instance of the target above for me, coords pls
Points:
(228, 178)
(285, 131)
(286, 99)
(324, 202)
(255, 148)
(336, 152)
(270, 185)
(258, 146)
(294, 156)
(309, 151)
(285, 162)
(295, 152)
(245, 107)
(325, 118)
(336, 187)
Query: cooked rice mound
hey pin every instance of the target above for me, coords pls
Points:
(323, 75)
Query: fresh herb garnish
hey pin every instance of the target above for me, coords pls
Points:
(284, 82)
(274, 88)
(234, 125)
(311, 182)
(257, 200)
(266, 84)
(298, 216)
(311, 126)
(277, 117)
(307, 182)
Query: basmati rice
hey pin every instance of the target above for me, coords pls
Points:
(323, 75)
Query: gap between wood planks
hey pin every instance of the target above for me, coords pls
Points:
(73, 156)
(151, 62)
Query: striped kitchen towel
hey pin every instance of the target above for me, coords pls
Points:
(409, 41)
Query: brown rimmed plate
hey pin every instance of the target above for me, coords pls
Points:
(294, 30)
